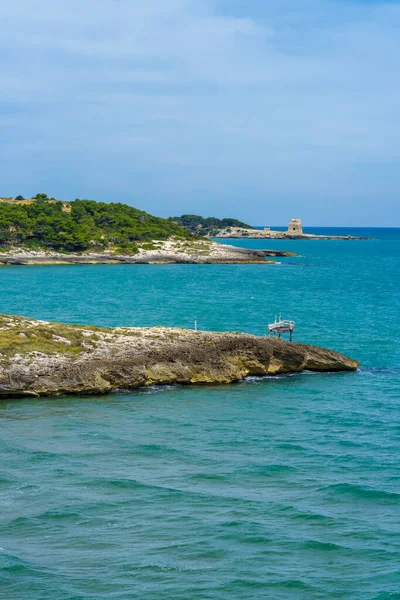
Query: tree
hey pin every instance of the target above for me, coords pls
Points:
(41, 197)
(19, 197)
(45, 224)
(203, 226)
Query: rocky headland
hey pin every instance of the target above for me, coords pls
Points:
(40, 358)
(200, 251)
(293, 232)
(43, 230)
(272, 234)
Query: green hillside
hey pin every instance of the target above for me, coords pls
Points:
(206, 225)
(80, 225)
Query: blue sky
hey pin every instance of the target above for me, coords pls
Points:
(257, 109)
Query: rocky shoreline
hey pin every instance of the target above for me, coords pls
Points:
(40, 358)
(294, 232)
(282, 235)
(200, 251)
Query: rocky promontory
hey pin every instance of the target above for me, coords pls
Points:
(200, 251)
(41, 358)
(270, 234)
(293, 232)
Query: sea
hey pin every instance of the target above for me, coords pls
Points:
(285, 488)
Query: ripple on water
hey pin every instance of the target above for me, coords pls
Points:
(344, 490)
(283, 488)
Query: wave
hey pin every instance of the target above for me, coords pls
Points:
(56, 515)
(263, 470)
(305, 515)
(362, 492)
(41, 455)
(150, 449)
(322, 546)
(289, 446)
(291, 584)
(378, 370)
(210, 477)
(387, 596)
(148, 389)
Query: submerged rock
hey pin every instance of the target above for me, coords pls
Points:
(54, 358)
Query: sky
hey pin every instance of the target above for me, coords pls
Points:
(254, 109)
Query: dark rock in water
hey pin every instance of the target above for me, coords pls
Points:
(275, 253)
(53, 358)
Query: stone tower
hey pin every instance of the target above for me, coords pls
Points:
(295, 227)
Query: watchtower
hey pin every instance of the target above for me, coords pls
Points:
(295, 227)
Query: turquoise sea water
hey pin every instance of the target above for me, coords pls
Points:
(284, 488)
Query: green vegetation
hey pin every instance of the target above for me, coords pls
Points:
(149, 246)
(48, 338)
(76, 226)
(20, 335)
(206, 226)
(42, 198)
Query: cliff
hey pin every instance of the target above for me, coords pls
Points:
(40, 358)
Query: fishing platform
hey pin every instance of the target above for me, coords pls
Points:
(280, 326)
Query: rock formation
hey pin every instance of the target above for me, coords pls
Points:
(39, 358)
(293, 232)
(199, 251)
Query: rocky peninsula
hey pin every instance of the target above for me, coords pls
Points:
(41, 358)
(43, 230)
(172, 251)
(293, 232)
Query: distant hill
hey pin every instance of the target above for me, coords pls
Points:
(80, 225)
(206, 226)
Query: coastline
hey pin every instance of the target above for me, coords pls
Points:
(42, 358)
(278, 235)
(201, 251)
(293, 232)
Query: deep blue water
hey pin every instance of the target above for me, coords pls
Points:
(284, 488)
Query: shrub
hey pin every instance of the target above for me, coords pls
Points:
(88, 224)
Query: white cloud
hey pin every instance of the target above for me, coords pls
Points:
(185, 103)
